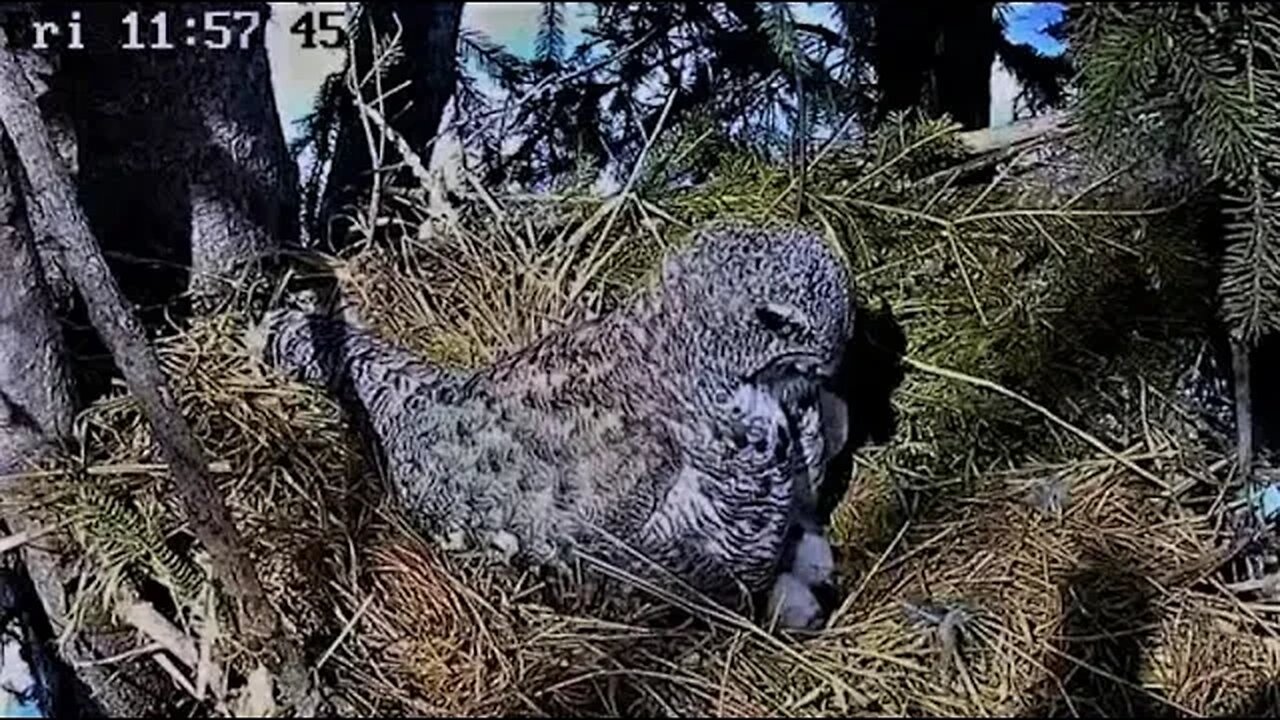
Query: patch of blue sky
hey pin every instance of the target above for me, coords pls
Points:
(515, 25)
(1026, 23)
(25, 709)
(813, 13)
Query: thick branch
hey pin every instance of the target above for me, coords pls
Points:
(122, 331)
(1016, 134)
(989, 146)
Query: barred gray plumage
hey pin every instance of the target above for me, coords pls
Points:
(689, 425)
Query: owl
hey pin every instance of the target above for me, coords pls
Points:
(681, 436)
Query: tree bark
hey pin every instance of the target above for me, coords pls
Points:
(429, 65)
(244, 185)
(40, 68)
(35, 388)
(185, 174)
(36, 411)
(936, 58)
(35, 384)
(122, 331)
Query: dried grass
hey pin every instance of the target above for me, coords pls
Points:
(996, 607)
(984, 573)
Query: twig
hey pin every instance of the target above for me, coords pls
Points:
(147, 620)
(1244, 412)
(1062, 213)
(381, 55)
(346, 630)
(1268, 583)
(802, 142)
(1005, 137)
(826, 149)
(119, 657)
(903, 154)
(950, 234)
(411, 158)
(1046, 412)
(18, 539)
(593, 263)
(178, 678)
(205, 666)
(993, 145)
(502, 112)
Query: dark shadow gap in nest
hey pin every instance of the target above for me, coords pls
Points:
(1109, 610)
(870, 371)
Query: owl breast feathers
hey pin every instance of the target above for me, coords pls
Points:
(683, 433)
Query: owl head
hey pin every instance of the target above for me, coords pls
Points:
(754, 302)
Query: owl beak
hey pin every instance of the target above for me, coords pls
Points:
(826, 371)
(809, 363)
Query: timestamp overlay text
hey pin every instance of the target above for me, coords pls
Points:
(161, 30)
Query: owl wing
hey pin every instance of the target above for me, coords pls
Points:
(356, 364)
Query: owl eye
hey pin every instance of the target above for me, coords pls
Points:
(777, 320)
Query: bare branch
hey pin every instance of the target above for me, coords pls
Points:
(122, 331)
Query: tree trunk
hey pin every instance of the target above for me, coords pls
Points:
(35, 384)
(36, 410)
(936, 58)
(429, 42)
(244, 185)
(120, 328)
(185, 175)
(182, 161)
(40, 68)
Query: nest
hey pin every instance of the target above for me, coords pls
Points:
(999, 556)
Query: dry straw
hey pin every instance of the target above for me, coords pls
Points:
(1039, 537)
